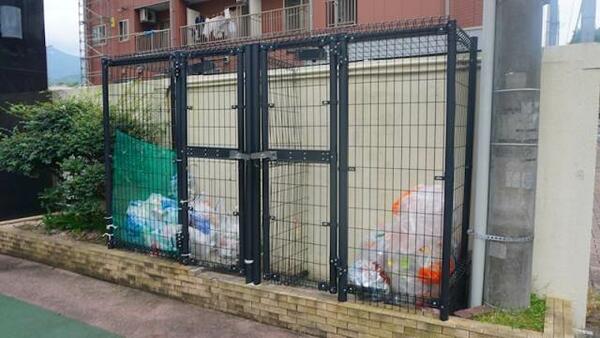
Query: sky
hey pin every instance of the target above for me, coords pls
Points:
(62, 25)
(62, 22)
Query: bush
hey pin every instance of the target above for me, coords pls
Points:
(65, 138)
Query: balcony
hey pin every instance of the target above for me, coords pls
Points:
(154, 40)
(282, 21)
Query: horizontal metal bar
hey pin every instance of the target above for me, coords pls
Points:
(311, 156)
(504, 239)
(213, 52)
(216, 153)
(313, 41)
(398, 33)
(513, 144)
(511, 90)
(137, 59)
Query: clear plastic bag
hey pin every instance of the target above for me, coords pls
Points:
(228, 237)
(405, 255)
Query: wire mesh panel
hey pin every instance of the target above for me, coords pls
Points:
(298, 121)
(355, 149)
(397, 98)
(213, 177)
(144, 192)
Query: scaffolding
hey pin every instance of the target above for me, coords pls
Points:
(91, 13)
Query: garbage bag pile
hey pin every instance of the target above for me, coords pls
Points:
(404, 256)
(214, 233)
(153, 224)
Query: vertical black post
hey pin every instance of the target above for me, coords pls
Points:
(242, 214)
(471, 101)
(180, 94)
(110, 242)
(448, 171)
(343, 172)
(255, 146)
(252, 166)
(266, 217)
(246, 198)
(333, 165)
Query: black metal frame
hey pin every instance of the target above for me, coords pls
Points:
(254, 154)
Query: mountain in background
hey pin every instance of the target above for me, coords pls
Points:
(63, 68)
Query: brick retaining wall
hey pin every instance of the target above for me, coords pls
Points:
(300, 310)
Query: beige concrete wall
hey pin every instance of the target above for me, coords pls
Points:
(566, 167)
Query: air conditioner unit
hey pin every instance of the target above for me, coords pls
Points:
(147, 15)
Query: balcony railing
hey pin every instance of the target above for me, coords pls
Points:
(340, 13)
(153, 40)
(288, 20)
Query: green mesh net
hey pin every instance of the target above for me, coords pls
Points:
(145, 206)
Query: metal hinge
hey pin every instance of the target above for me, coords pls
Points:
(341, 270)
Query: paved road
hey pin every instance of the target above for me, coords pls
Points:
(33, 289)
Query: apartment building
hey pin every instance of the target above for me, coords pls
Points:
(121, 27)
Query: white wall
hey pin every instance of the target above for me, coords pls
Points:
(566, 168)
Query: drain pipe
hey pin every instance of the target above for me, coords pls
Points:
(483, 121)
(513, 156)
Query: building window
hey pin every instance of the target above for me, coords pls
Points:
(296, 15)
(10, 22)
(123, 30)
(341, 13)
(99, 35)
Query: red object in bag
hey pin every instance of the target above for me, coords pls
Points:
(433, 274)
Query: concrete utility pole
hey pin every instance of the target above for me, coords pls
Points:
(588, 20)
(553, 24)
(255, 8)
(513, 163)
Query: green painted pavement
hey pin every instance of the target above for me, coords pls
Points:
(22, 320)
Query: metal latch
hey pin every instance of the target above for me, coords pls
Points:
(263, 155)
(236, 155)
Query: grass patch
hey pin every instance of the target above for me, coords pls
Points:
(531, 318)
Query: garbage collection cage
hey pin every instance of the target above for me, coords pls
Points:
(339, 161)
